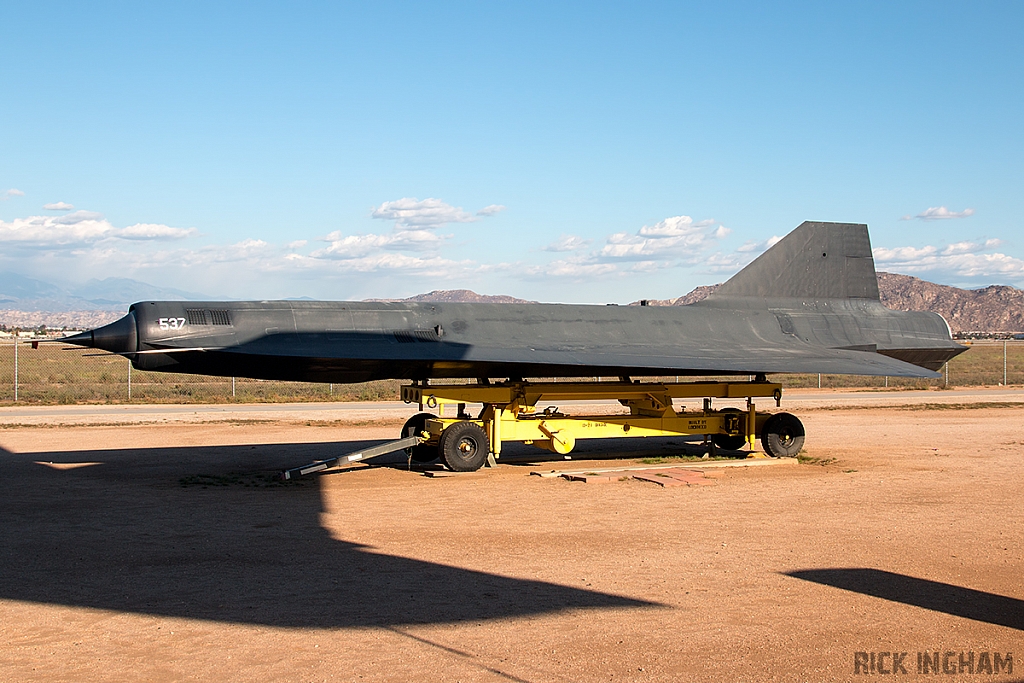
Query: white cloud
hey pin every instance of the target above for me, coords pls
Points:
(246, 249)
(155, 231)
(675, 237)
(80, 216)
(568, 243)
(675, 226)
(667, 243)
(81, 228)
(960, 248)
(324, 264)
(433, 266)
(58, 206)
(647, 266)
(411, 214)
(750, 246)
(961, 259)
(7, 194)
(84, 244)
(572, 269)
(491, 210)
(356, 246)
(937, 213)
(415, 221)
(717, 262)
(903, 254)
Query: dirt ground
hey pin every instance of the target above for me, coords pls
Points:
(166, 552)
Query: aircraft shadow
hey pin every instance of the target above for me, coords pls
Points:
(933, 595)
(517, 454)
(179, 532)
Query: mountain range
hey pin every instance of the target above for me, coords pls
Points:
(112, 293)
(27, 303)
(992, 309)
(466, 296)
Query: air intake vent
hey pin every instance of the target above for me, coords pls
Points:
(196, 316)
(220, 317)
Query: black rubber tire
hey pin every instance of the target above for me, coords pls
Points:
(423, 452)
(727, 442)
(782, 435)
(464, 447)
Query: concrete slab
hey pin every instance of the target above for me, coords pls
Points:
(660, 479)
(592, 478)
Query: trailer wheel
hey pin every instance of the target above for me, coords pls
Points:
(727, 441)
(782, 435)
(423, 452)
(463, 447)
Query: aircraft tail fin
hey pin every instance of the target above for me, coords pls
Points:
(814, 261)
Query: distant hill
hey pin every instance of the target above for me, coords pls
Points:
(695, 295)
(996, 308)
(21, 293)
(31, 303)
(28, 303)
(72, 320)
(461, 296)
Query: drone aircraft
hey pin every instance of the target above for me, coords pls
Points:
(809, 304)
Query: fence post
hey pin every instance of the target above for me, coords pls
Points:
(16, 332)
(1004, 362)
(232, 387)
(819, 380)
(945, 379)
(129, 380)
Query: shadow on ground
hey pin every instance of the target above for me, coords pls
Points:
(627, 449)
(933, 595)
(148, 531)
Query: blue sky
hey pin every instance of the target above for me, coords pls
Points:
(562, 152)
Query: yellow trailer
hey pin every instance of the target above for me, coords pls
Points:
(510, 413)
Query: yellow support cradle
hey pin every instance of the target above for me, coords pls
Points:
(510, 411)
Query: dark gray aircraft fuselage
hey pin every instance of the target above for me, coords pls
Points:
(807, 305)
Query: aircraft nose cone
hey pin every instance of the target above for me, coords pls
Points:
(120, 336)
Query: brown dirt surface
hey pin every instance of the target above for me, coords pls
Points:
(167, 552)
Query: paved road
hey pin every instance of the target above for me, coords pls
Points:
(396, 410)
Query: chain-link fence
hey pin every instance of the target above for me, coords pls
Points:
(987, 362)
(53, 374)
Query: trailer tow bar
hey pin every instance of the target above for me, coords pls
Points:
(372, 452)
